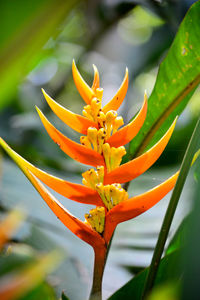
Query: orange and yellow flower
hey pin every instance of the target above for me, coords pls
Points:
(102, 147)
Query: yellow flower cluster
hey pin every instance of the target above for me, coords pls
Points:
(108, 124)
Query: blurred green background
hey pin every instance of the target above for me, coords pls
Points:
(38, 41)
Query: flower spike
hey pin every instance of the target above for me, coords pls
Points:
(71, 148)
(79, 228)
(75, 121)
(117, 100)
(101, 146)
(84, 90)
(140, 164)
(65, 188)
(95, 84)
(128, 132)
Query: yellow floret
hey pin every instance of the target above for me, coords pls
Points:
(96, 219)
(111, 195)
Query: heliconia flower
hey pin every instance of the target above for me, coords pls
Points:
(102, 147)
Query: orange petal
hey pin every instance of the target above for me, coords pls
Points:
(10, 225)
(128, 132)
(74, 150)
(95, 83)
(73, 191)
(117, 100)
(140, 164)
(81, 229)
(137, 205)
(75, 121)
(84, 90)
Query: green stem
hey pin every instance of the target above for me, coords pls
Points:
(185, 166)
(99, 265)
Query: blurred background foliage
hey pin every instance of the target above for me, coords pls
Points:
(38, 41)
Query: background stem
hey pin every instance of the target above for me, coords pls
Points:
(185, 166)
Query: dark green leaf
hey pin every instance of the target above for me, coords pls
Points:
(178, 76)
(169, 270)
(191, 257)
(164, 231)
(64, 297)
(179, 238)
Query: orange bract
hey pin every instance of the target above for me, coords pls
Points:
(85, 91)
(117, 100)
(67, 189)
(128, 132)
(140, 164)
(78, 227)
(76, 122)
(137, 205)
(102, 147)
(73, 149)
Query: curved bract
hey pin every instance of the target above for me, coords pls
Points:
(100, 147)
(128, 132)
(95, 84)
(137, 205)
(79, 228)
(117, 100)
(73, 149)
(84, 90)
(75, 121)
(65, 188)
(140, 164)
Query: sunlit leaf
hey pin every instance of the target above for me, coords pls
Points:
(28, 25)
(178, 76)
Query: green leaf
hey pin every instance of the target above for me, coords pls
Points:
(190, 257)
(179, 238)
(165, 292)
(28, 25)
(169, 270)
(178, 76)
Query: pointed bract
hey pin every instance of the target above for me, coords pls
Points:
(96, 83)
(79, 228)
(128, 132)
(84, 90)
(75, 121)
(73, 191)
(117, 100)
(140, 164)
(71, 148)
(137, 205)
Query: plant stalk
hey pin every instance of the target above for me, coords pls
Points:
(185, 166)
(100, 255)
